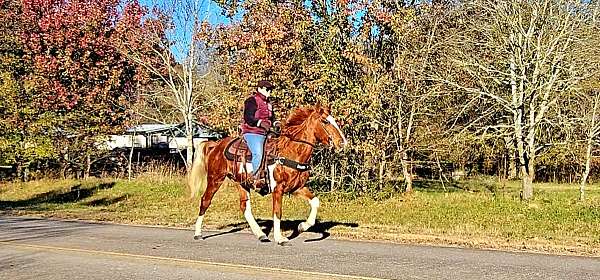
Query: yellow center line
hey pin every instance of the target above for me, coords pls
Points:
(197, 262)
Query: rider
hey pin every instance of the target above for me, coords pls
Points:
(257, 121)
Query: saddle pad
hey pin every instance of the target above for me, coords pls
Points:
(237, 149)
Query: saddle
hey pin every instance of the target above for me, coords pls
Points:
(237, 150)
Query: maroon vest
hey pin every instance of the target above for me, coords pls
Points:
(264, 111)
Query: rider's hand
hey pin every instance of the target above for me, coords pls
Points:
(277, 127)
(265, 124)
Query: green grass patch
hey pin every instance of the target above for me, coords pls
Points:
(481, 213)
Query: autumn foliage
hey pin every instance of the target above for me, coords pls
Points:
(415, 83)
(74, 84)
(76, 69)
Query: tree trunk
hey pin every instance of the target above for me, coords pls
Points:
(511, 158)
(88, 167)
(588, 153)
(189, 135)
(518, 96)
(405, 171)
(332, 184)
(18, 170)
(528, 174)
(512, 166)
(381, 173)
(586, 173)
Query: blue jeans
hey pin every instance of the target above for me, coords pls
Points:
(255, 144)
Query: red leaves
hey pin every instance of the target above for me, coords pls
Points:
(76, 66)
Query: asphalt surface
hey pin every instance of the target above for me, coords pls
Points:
(32, 248)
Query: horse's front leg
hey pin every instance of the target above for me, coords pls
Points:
(306, 194)
(247, 210)
(277, 199)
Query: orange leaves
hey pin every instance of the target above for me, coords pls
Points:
(263, 43)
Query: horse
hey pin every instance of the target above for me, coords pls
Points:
(305, 128)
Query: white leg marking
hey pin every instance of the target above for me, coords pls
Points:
(250, 218)
(279, 238)
(312, 217)
(198, 226)
(272, 182)
(332, 122)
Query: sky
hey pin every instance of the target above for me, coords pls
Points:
(214, 12)
(208, 10)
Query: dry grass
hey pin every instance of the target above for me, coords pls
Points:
(470, 214)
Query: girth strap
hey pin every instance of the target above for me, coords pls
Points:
(293, 164)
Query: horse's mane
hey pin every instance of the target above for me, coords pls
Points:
(295, 123)
(298, 116)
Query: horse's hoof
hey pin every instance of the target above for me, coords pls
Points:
(198, 237)
(264, 238)
(302, 227)
(284, 243)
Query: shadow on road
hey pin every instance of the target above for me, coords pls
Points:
(18, 229)
(74, 194)
(321, 227)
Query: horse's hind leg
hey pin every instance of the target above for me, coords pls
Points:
(213, 185)
(247, 210)
(314, 205)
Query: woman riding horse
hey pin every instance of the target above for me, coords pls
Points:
(304, 129)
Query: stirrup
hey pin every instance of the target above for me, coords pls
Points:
(260, 185)
(253, 183)
(264, 190)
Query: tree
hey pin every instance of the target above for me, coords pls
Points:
(591, 100)
(266, 43)
(22, 138)
(408, 51)
(167, 44)
(78, 77)
(592, 123)
(520, 58)
(328, 51)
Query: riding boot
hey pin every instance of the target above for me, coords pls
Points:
(255, 182)
(264, 189)
(260, 184)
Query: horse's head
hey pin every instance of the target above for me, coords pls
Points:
(326, 129)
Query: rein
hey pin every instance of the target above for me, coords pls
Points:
(303, 142)
(298, 165)
(306, 142)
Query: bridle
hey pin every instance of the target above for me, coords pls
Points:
(305, 166)
(323, 122)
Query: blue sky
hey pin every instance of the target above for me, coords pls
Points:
(208, 10)
(215, 15)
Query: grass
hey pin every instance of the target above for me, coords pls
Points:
(481, 214)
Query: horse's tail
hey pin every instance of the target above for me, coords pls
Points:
(198, 174)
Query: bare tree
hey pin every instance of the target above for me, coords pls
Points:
(405, 101)
(591, 116)
(521, 57)
(592, 123)
(168, 47)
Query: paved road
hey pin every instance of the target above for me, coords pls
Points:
(32, 248)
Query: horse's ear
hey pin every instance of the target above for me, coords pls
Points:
(318, 107)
